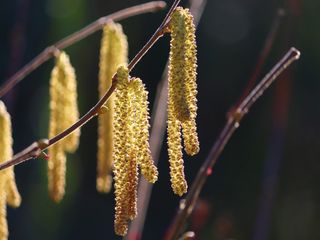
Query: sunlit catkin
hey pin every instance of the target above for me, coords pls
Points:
(182, 76)
(3, 212)
(8, 189)
(189, 127)
(113, 52)
(178, 182)
(141, 118)
(122, 141)
(63, 113)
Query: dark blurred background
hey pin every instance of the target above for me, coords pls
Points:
(266, 183)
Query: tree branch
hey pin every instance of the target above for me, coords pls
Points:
(233, 121)
(75, 37)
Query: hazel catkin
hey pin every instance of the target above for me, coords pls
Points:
(182, 102)
(63, 113)
(8, 189)
(131, 146)
(141, 121)
(178, 182)
(113, 52)
(121, 143)
(182, 76)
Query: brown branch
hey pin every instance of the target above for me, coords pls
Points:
(75, 37)
(18, 158)
(233, 121)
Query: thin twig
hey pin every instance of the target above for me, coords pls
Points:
(93, 111)
(158, 127)
(75, 37)
(233, 121)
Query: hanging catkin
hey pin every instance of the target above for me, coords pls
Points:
(8, 189)
(113, 52)
(182, 102)
(189, 127)
(122, 141)
(131, 146)
(141, 121)
(63, 113)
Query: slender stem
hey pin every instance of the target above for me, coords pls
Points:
(18, 158)
(75, 37)
(233, 121)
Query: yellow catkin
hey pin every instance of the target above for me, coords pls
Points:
(122, 142)
(56, 172)
(63, 113)
(131, 181)
(182, 102)
(189, 128)
(113, 52)
(182, 76)
(13, 196)
(177, 65)
(8, 189)
(3, 212)
(131, 146)
(132, 185)
(178, 182)
(141, 118)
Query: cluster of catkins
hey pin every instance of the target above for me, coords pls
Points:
(123, 122)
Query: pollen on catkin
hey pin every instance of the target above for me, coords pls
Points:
(113, 52)
(4, 233)
(182, 102)
(63, 113)
(131, 146)
(178, 181)
(122, 141)
(177, 65)
(141, 118)
(8, 189)
(189, 127)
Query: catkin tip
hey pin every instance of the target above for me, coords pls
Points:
(104, 184)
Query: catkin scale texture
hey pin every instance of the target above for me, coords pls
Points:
(182, 102)
(178, 182)
(182, 76)
(141, 130)
(121, 142)
(63, 113)
(3, 213)
(113, 52)
(177, 66)
(131, 146)
(189, 127)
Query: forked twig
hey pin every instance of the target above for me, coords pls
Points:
(94, 111)
(187, 205)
